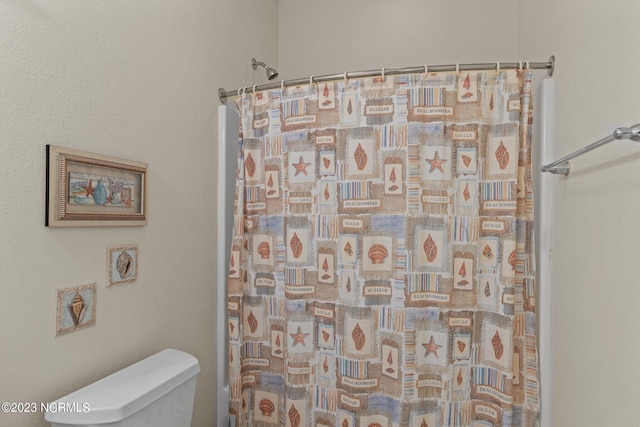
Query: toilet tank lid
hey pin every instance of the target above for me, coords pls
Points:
(122, 394)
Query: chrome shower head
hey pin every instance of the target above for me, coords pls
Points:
(271, 72)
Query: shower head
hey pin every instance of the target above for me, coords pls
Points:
(271, 72)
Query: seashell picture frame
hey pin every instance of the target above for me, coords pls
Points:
(122, 265)
(75, 308)
(86, 189)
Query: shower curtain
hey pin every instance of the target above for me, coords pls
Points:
(382, 268)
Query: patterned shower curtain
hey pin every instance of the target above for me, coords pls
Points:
(382, 268)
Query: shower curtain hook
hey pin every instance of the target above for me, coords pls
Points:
(254, 89)
(457, 68)
(346, 78)
(311, 84)
(520, 65)
(497, 67)
(383, 77)
(426, 69)
(527, 65)
(239, 91)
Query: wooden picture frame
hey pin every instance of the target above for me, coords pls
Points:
(87, 189)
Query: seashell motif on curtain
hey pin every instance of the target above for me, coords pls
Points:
(382, 268)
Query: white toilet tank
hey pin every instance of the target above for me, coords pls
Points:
(155, 392)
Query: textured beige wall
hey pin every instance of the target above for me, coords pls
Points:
(333, 36)
(596, 246)
(136, 80)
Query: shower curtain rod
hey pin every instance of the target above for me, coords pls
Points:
(549, 66)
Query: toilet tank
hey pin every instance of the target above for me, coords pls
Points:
(157, 391)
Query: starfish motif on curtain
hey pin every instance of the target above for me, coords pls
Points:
(431, 347)
(301, 166)
(298, 337)
(436, 163)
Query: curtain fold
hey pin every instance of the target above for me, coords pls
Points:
(382, 272)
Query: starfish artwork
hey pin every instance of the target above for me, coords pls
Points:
(301, 166)
(298, 337)
(89, 189)
(431, 347)
(436, 163)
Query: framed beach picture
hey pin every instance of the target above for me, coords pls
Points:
(86, 189)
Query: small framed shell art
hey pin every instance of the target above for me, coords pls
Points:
(122, 265)
(75, 308)
(86, 189)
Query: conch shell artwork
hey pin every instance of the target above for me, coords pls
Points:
(345, 423)
(463, 270)
(390, 369)
(360, 156)
(498, 348)
(278, 344)
(124, 265)
(466, 193)
(487, 252)
(270, 185)
(463, 273)
(377, 253)
(250, 165)
(502, 156)
(424, 423)
(487, 290)
(467, 82)
(296, 246)
(325, 266)
(358, 336)
(264, 250)
(393, 179)
(294, 416)
(512, 259)
(267, 407)
(232, 265)
(348, 249)
(459, 378)
(77, 309)
(252, 320)
(430, 249)
(461, 345)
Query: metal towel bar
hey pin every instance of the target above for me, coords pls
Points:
(561, 166)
